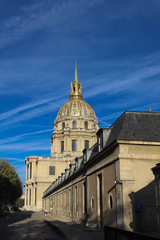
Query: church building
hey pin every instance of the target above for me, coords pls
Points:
(75, 128)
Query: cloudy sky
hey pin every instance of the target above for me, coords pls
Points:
(117, 47)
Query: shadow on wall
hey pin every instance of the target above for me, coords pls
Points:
(108, 218)
(144, 209)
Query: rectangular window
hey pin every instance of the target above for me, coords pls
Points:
(61, 202)
(69, 200)
(35, 196)
(29, 196)
(100, 140)
(27, 171)
(86, 144)
(30, 170)
(84, 198)
(52, 170)
(74, 145)
(62, 146)
(99, 202)
(76, 199)
(65, 201)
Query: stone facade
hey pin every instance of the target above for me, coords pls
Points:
(156, 172)
(112, 183)
(75, 128)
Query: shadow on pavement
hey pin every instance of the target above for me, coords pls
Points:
(27, 226)
(14, 217)
(73, 231)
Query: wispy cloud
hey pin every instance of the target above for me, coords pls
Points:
(42, 14)
(15, 160)
(120, 81)
(39, 15)
(24, 107)
(30, 110)
(21, 136)
(25, 147)
(111, 116)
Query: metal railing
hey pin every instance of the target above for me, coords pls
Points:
(112, 233)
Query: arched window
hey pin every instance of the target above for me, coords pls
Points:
(74, 124)
(63, 125)
(86, 125)
(110, 201)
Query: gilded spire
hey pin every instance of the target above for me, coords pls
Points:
(76, 87)
(76, 77)
(149, 109)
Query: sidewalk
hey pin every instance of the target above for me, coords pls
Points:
(72, 231)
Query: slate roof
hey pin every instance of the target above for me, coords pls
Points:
(136, 126)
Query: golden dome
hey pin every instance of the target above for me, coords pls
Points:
(76, 107)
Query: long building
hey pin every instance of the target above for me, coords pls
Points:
(112, 182)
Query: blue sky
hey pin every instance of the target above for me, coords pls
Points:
(117, 47)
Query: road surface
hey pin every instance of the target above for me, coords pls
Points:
(27, 226)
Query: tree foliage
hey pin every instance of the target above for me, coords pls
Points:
(10, 183)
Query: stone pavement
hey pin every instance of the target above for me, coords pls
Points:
(26, 226)
(73, 231)
(35, 225)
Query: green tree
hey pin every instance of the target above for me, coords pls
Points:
(10, 183)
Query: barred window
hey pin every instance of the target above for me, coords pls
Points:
(74, 145)
(52, 170)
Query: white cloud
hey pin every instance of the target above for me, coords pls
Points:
(24, 107)
(15, 160)
(21, 136)
(123, 80)
(25, 147)
(31, 110)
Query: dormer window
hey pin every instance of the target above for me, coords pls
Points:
(63, 125)
(86, 125)
(74, 124)
(100, 141)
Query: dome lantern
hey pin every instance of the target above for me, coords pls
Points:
(76, 87)
(76, 107)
